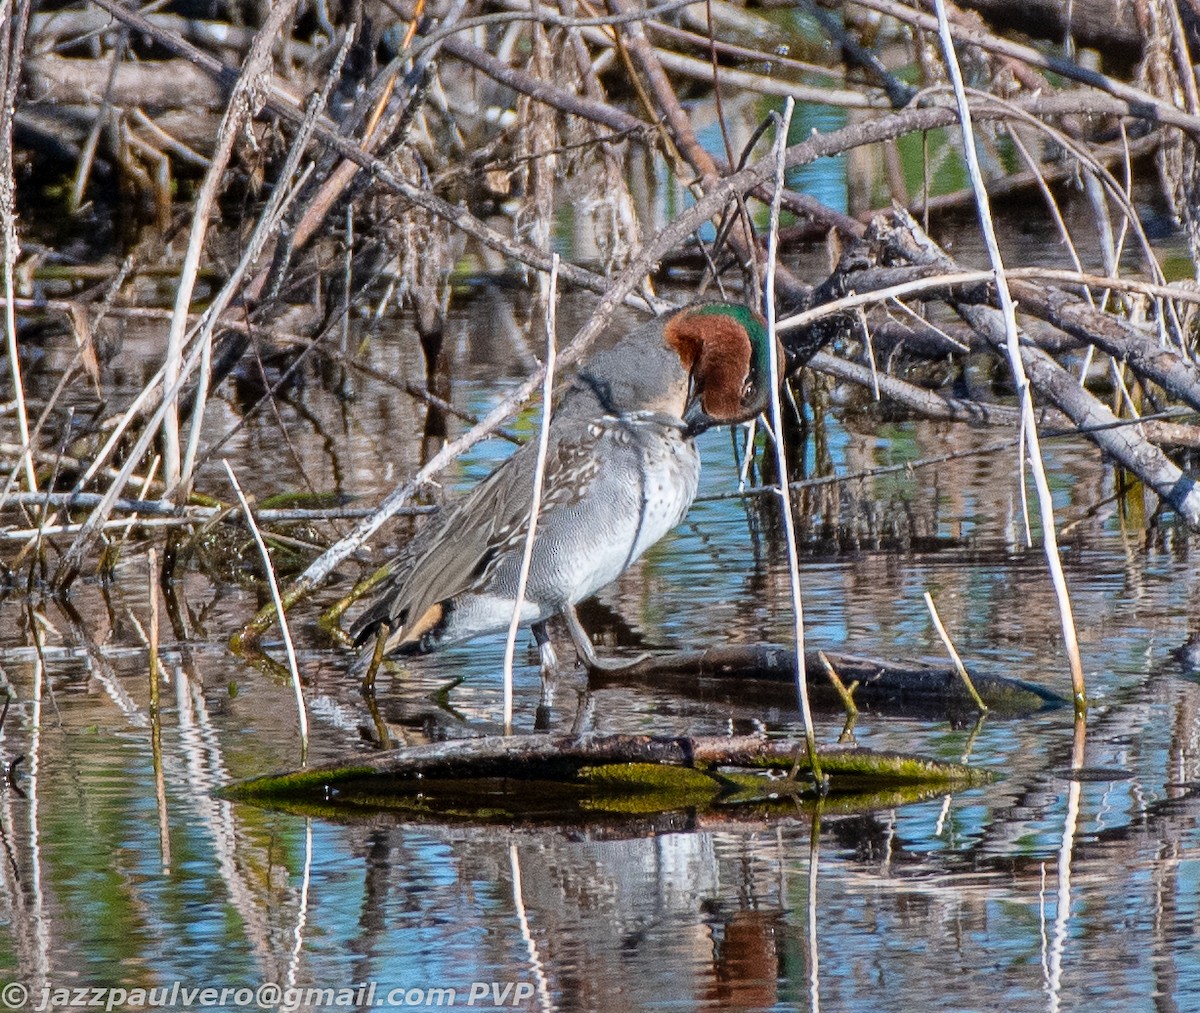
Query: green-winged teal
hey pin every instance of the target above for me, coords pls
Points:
(621, 471)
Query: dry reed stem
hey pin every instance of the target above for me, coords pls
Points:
(269, 570)
(1029, 429)
(785, 497)
(539, 476)
(13, 26)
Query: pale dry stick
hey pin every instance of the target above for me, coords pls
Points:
(190, 520)
(862, 323)
(1187, 77)
(50, 530)
(761, 57)
(959, 667)
(286, 187)
(535, 505)
(701, 70)
(785, 497)
(269, 570)
(195, 512)
(255, 72)
(1035, 170)
(1025, 394)
(167, 143)
(916, 317)
(160, 786)
(35, 543)
(12, 47)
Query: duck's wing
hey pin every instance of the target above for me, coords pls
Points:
(474, 535)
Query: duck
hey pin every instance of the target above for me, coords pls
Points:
(622, 469)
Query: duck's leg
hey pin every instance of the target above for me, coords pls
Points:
(587, 651)
(549, 669)
(546, 653)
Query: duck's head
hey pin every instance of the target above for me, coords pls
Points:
(723, 348)
(707, 365)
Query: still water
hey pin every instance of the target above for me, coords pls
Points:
(1032, 892)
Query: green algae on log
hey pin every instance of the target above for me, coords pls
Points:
(539, 776)
(760, 672)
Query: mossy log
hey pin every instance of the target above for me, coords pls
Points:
(766, 673)
(540, 777)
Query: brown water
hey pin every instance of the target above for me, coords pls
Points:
(1032, 892)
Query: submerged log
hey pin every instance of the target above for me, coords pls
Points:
(522, 777)
(766, 672)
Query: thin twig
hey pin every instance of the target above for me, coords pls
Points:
(959, 667)
(845, 693)
(269, 570)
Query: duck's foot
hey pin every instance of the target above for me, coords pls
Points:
(587, 652)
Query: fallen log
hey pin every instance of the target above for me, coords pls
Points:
(766, 673)
(568, 777)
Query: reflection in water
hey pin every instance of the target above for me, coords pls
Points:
(1053, 961)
